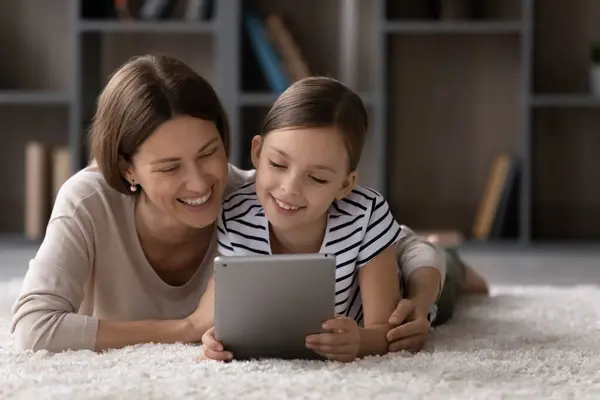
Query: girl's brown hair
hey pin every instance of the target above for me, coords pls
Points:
(316, 102)
(141, 95)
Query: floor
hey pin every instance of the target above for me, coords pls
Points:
(548, 266)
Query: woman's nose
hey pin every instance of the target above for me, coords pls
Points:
(197, 181)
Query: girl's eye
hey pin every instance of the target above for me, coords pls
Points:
(319, 181)
(275, 165)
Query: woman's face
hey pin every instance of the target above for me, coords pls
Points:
(182, 169)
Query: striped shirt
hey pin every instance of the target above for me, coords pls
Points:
(359, 227)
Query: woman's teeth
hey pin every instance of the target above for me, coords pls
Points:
(196, 201)
(286, 206)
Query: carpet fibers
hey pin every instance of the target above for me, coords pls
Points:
(522, 342)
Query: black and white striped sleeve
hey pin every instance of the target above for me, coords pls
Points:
(223, 240)
(382, 232)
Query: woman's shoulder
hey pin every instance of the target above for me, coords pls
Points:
(88, 191)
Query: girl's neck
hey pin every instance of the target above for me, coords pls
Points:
(302, 239)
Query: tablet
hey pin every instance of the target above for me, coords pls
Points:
(266, 305)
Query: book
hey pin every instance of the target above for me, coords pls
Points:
(268, 58)
(37, 189)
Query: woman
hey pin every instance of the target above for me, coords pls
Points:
(128, 249)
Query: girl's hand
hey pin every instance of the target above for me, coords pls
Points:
(213, 349)
(340, 344)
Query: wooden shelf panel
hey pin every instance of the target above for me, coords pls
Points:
(453, 27)
(565, 173)
(162, 27)
(35, 53)
(454, 105)
(563, 37)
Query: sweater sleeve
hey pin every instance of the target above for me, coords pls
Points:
(45, 313)
(414, 252)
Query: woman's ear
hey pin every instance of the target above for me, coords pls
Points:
(257, 142)
(347, 185)
(127, 170)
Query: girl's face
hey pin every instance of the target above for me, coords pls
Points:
(182, 169)
(300, 172)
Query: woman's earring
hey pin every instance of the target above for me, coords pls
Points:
(133, 186)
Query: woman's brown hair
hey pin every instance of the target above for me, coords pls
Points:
(141, 95)
(317, 102)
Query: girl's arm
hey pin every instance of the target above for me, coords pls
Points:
(380, 293)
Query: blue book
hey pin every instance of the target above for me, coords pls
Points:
(268, 58)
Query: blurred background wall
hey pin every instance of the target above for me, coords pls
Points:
(484, 114)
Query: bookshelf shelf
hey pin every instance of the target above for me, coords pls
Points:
(452, 27)
(104, 26)
(266, 99)
(32, 97)
(257, 99)
(565, 101)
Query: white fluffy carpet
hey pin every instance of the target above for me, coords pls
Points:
(533, 342)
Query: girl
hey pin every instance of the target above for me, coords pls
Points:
(306, 199)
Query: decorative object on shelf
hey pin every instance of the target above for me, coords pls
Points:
(595, 69)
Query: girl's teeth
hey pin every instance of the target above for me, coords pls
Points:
(198, 200)
(285, 206)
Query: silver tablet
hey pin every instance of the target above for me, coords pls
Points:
(265, 306)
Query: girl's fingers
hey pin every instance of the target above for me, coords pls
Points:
(332, 339)
(331, 349)
(217, 355)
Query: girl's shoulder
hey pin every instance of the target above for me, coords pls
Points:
(237, 178)
(359, 201)
(240, 203)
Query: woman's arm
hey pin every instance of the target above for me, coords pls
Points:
(380, 293)
(120, 334)
(423, 267)
(45, 314)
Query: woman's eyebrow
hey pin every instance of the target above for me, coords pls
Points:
(172, 159)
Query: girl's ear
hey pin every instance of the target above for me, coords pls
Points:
(257, 142)
(347, 185)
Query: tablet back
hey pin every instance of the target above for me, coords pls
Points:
(265, 306)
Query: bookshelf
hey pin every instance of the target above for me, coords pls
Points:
(445, 93)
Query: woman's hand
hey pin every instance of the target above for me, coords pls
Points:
(342, 343)
(213, 349)
(412, 328)
(203, 318)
